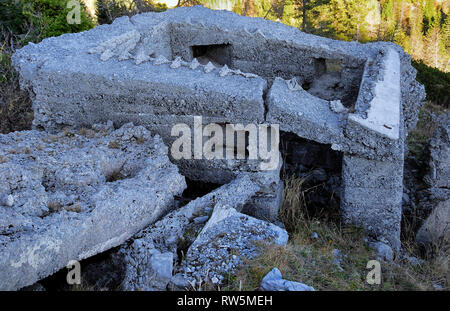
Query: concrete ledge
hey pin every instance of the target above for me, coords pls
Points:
(383, 114)
(301, 113)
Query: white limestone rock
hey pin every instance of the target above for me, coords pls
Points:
(273, 281)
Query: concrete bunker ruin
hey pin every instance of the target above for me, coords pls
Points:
(162, 69)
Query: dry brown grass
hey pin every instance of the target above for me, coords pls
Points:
(89, 133)
(310, 261)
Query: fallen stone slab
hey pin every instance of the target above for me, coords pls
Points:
(227, 239)
(166, 232)
(166, 235)
(301, 113)
(144, 262)
(72, 195)
(273, 281)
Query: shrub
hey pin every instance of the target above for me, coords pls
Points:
(436, 82)
(13, 16)
(108, 10)
(40, 18)
(53, 14)
(23, 21)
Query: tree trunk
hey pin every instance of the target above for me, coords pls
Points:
(305, 3)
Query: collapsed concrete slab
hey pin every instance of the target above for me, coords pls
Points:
(162, 69)
(166, 232)
(301, 113)
(145, 261)
(72, 195)
(436, 229)
(227, 239)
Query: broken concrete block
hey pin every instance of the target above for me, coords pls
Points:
(148, 259)
(273, 281)
(439, 165)
(146, 268)
(384, 251)
(226, 240)
(266, 203)
(377, 123)
(166, 232)
(77, 194)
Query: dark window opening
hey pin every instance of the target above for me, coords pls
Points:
(218, 54)
(320, 66)
(318, 168)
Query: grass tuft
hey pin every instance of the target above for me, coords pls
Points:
(310, 261)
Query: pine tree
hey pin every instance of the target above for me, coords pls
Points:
(429, 14)
(446, 33)
(348, 19)
(446, 44)
(305, 6)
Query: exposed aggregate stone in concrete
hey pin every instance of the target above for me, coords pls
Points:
(72, 195)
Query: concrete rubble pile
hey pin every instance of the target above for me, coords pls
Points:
(158, 70)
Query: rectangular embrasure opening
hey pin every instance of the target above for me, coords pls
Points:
(218, 54)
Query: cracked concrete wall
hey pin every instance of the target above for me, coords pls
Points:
(360, 98)
(372, 197)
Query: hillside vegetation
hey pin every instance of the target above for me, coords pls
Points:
(421, 27)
